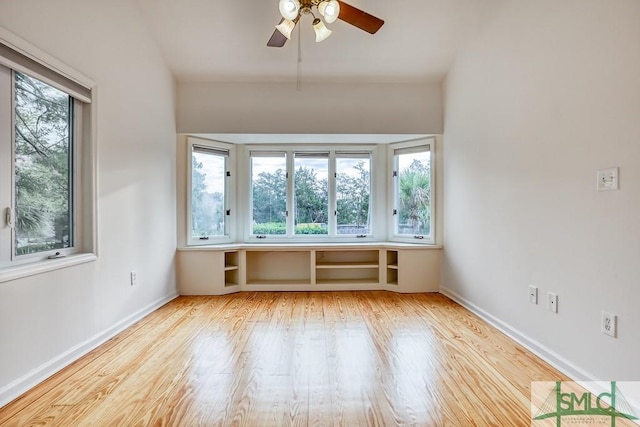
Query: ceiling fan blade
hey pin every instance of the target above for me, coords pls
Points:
(359, 18)
(277, 38)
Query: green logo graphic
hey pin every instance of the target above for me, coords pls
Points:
(611, 404)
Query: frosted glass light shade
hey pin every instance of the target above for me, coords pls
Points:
(331, 11)
(286, 27)
(322, 32)
(289, 9)
(321, 6)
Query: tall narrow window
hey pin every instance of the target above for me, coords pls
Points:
(208, 192)
(47, 163)
(353, 193)
(412, 185)
(269, 193)
(43, 167)
(311, 193)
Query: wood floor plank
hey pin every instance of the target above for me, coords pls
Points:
(295, 359)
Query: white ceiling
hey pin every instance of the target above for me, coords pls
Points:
(225, 41)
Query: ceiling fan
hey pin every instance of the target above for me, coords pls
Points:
(330, 10)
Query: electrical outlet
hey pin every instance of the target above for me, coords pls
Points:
(607, 179)
(134, 277)
(552, 302)
(533, 294)
(609, 326)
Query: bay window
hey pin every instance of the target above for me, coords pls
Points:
(311, 193)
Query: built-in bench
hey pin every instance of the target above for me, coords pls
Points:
(222, 269)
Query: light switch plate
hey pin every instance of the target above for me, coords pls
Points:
(607, 179)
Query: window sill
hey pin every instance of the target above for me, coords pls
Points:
(302, 246)
(18, 272)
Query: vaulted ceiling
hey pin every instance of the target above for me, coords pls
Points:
(225, 41)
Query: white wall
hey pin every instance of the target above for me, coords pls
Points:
(548, 93)
(321, 108)
(47, 319)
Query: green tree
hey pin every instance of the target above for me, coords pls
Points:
(353, 194)
(270, 199)
(311, 197)
(415, 197)
(207, 209)
(42, 160)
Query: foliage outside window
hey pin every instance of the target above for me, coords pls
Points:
(208, 193)
(353, 193)
(412, 191)
(42, 167)
(269, 193)
(311, 192)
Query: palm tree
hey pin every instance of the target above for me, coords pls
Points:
(415, 197)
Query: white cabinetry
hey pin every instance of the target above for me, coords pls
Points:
(218, 270)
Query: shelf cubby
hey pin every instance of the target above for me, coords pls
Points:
(392, 267)
(231, 268)
(278, 267)
(347, 267)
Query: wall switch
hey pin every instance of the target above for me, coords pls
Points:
(533, 294)
(607, 179)
(552, 302)
(609, 324)
(134, 277)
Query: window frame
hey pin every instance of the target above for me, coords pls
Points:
(75, 170)
(345, 154)
(332, 235)
(229, 191)
(392, 195)
(288, 191)
(18, 55)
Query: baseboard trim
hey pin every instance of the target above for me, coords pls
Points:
(25, 383)
(545, 353)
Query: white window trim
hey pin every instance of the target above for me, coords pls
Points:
(230, 190)
(391, 218)
(85, 177)
(290, 150)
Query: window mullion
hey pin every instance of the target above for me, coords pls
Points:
(290, 195)
(333, 218)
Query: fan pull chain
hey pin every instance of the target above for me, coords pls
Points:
(298, 78)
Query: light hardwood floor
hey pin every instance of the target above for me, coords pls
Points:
(308, 359)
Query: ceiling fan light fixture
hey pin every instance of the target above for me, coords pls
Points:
(289, 9)
(331, 11)
(321, 6)
(322, 32)
(286, 27)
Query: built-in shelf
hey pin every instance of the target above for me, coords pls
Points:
(392, 267)
(277, 267)
(231, 263)
(335, 281)
(347, 267)
(279, 282)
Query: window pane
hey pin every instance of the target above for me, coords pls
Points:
(269, 193)
(311, 193)
(43, 193)
(353, 192)
(208, 172)
(413, 193)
